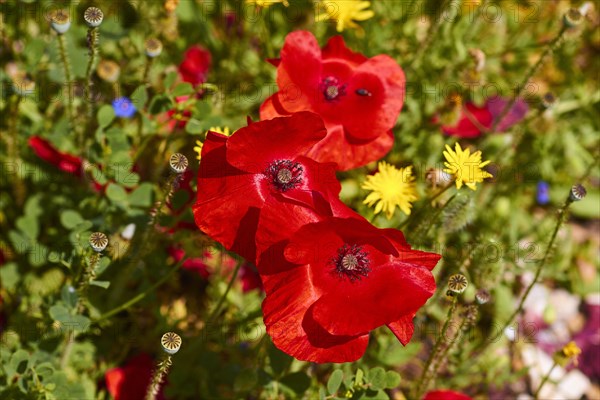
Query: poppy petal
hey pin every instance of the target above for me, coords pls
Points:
(253, 147)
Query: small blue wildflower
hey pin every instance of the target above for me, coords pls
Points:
(543, 193)
(123, 107)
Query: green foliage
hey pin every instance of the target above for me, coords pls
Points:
(68, 315)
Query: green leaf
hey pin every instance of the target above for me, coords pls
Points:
(29, 226)
(194, 127)
(170, 79)
(9, 275)
(102, 284)
(377, 378)
(70, 219)
(106, 115)
(392, 379)
(279, 361)
(183, 89)
(142, 196)
(116, 193)
(334, 381)
(160, 103)
(245, 380)
(60, 313)
(299, 382)
(139, 97)
(19, 362)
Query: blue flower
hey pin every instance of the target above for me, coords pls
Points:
(543, 193)
(123, 107)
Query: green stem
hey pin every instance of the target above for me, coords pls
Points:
(536, 395)
(215, 312)
(92, 38)
(431, 35)
(550, 49)
(425, 203)
(157, 378)
(147, 67)
(140, 296)
(67, 66)
(560, 219)
(425, 375)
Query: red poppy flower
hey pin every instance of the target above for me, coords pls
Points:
(359, 98)
(338, 279)
(63, 161)
(485, 116)
(445, 395)
(261, 163)
(195, 65)
(131, 381)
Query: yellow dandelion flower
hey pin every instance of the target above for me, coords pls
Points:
(223, 131)
(569, 353)
(465, 167)
(345, 12)
(267, 3)
(198, 149)
(391, 187)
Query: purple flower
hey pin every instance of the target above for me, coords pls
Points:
(543, 193)
(517, 112)
(123, 107)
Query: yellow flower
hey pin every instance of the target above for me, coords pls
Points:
(345, 12)
(391, 187)
(223, 131)
(198, 149)
(568, 353)
(466, 167)
(267, 3)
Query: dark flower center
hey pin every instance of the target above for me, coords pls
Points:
(332, 89)
(284, 174)
(352, 262)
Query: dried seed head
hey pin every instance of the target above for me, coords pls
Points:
(573, 18)
(171, 342)
(457, 283)
(60, 21)
(108, 71)
(98, 241)
(153, 47)
(482, 296)
(93, 16)
(578, 192)
(178, 163)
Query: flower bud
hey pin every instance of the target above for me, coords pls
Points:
(482, 296)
